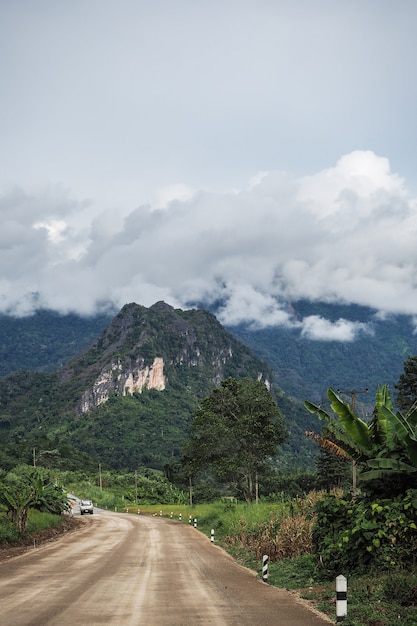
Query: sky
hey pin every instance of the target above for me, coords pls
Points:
(247, 152)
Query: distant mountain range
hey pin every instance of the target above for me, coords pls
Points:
(127, 400)
(302, 367)
(306, 368)
(120, 388)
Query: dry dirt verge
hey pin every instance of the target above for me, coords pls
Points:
(69, 524)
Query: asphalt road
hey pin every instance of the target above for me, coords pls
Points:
(129, 570)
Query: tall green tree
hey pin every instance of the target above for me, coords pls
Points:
(406, 387)
(234, 431)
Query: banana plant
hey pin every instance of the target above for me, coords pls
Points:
(386, 447)
(400, 455)
(351, 433)
(30, 489)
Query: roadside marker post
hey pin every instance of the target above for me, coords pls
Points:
(195, 522)
(265, 562)
(212, 535)
(341, 598)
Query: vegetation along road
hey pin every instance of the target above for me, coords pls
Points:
(126, 570)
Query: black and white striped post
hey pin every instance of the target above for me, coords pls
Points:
(212, 535)
(265, 562)
(341, 598)
(191, 519)
(180, 517)
(195, 522)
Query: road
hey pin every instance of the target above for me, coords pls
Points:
(130, 570)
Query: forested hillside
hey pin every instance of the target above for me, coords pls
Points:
(66, 357)
(46, 339)
(127, 401)
(302, 367)
(306, 368)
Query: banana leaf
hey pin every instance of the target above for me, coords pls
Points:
(357, 430)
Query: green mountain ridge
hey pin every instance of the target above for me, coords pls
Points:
(58, 359)
(87, 404)
(305, 368)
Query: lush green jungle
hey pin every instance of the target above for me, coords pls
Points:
(40, 414)
(37, 410)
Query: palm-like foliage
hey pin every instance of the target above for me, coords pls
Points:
(27, 488)
(384, 448)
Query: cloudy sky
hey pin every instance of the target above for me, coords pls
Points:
(253, 151)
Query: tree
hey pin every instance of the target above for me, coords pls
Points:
(234, 431)
(407, 385)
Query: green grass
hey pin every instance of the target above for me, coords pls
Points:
(41, 521)
(36, 521)
(223, 516)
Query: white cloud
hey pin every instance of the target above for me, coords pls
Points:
(318, 328)
(345, 234)
(245, 304)
(54, 228)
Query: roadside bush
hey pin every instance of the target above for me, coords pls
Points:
(362, 535)
(8, 532)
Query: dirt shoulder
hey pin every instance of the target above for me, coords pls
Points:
(72, 524)
(69, 524)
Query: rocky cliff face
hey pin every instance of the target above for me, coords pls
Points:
(120, 380)
(157, 348)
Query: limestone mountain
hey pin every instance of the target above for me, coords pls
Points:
(128, 399)
(158, 348)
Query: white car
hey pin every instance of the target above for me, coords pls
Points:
(86, 506)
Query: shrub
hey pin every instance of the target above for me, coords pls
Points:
(8, 532)
(359, 535)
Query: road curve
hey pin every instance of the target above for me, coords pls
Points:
(127, 570)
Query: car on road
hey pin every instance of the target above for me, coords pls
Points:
(86, 506)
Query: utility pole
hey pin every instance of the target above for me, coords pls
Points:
(191, 490)
(353, 393)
